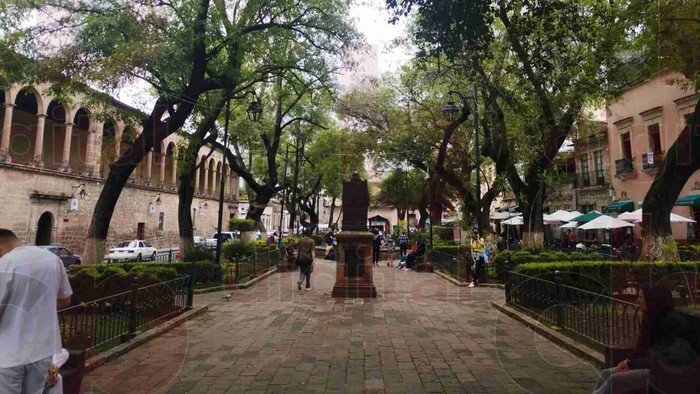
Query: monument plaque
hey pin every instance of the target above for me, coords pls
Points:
(354, 256)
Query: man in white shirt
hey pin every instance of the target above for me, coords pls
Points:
(33, 286)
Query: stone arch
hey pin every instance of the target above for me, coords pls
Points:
(25, 116)
(78, 155)
(109, 146)
(202, 171)
(211, 166)
(217, 178)
(170, 169)
(44, 229)
(57, 115)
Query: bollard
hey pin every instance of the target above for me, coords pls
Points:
(506, 278)
(133, 312)
(559, 294)
(193, 282)
(170, 255)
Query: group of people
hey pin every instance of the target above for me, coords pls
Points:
(33, 287)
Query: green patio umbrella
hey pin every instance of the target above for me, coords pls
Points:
(586, 217)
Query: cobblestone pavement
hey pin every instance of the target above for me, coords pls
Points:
(421, 334)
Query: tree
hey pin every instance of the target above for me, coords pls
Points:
(557, 56)
(673, 42)
(182, 50)
(336, 154)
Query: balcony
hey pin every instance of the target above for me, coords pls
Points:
(652, 160)
(591, 179)
(624, 166)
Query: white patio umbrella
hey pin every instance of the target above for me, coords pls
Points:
(605, 222)
(502, 215)
(636, 217)
(569, 225)
(516, 221)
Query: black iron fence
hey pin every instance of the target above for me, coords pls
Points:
(591, 179)
(602, 320)
(243, 269)
(456, 266)
(108, 321)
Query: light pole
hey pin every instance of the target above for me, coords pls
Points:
(450, 111)
(254, 112)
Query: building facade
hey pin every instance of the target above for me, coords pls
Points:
(643, 124)
(55, 157)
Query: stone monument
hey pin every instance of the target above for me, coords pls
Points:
(354, 252)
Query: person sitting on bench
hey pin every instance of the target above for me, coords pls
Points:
(418, 253)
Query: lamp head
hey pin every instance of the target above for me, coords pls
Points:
(450, 111)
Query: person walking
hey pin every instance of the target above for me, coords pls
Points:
(477, 248)
(403, 244)
(376, 246)
(305, 259)
(33, 287)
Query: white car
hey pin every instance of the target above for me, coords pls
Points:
(200, 241)
(135, 250)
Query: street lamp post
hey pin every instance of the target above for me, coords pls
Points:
(284, 194)
(254, 112)
(450, 111)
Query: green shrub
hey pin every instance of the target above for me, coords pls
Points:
(526, 256)
(242, 225)
(613, 277)
(145, 273)
(443, 233)
(237, 249)
(198, 253)
(204, 271)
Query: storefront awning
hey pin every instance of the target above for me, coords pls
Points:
(692, 200)
(619, 207)
(586, 217)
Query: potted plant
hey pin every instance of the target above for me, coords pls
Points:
(246, 227)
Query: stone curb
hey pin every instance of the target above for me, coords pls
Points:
(464, 284)
(582, 351)
(117, 351)
(237, 286)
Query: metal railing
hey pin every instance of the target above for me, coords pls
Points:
(457, 266)
(169, 255)
(112, 320)
(654, 160)
(602, 320)
(624, 166)
(243, 269)
(590, 179)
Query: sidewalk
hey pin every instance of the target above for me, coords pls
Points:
(422, 334)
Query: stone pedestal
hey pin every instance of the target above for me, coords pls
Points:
(354, 265)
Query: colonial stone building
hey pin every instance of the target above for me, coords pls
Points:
(54, 158)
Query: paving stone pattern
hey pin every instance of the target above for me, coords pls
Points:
(422, 334)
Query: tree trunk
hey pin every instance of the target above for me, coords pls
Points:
(185, 192)
(330, 219)
(437, 187)
(533, 228)
(262, 198)
(423, 209)
(682, 160)
(95, 245)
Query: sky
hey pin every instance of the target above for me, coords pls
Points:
(371, 19)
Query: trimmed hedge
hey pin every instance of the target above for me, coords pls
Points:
(91, 282)
(242, 225)
(443, 233)
(527, 256)
(198, 253)
(613, 277)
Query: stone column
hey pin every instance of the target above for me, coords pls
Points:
(67, 139)
(93, 153)
(6, 131)
(205, 189)
(214, 180)
(227, 192)
(173, 181)
(196, 181)
(149, 166)
(163, 163)
(39, 141)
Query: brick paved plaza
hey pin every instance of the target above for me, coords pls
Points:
(421, 335)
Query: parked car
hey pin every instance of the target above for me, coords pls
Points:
(200, 241)
(135, 250)
(225, 237)
(64, 254)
